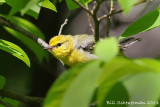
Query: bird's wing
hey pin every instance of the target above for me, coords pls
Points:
(85, 42)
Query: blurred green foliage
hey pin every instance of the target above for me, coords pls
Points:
(76, 86)
(109, 78)
(127, 5)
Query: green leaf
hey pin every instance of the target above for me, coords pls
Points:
(59, 88)
(127, 5)
(30, 4)
(27, 25)
(30, 7)
(143, 24)
(143, 87)
(15, 51)
(111, 75)
(16, 5)
(2, 1)
(72, 5)
(2, 81)
(107, 49)
(158, 105)
(34, 11)
(14, 103)
(34, 47)
(85, 2)
(150, 63)
(83, 86)
(117, 93)
(120, 38)
(84, 79)
(49, 5)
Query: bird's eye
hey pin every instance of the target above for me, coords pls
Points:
(59, 44)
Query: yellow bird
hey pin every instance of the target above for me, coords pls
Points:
(72, 50)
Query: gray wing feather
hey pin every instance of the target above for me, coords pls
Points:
(85, 42)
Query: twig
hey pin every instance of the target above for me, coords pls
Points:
(25, 99)
(65, 22)
(118, 11)
(105, 16)
(8, 23)
(90, 23)
(83, 7)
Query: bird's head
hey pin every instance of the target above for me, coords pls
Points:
(61, 45)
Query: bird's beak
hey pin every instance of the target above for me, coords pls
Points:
(49, 48)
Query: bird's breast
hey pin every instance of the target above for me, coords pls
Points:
(75, 57)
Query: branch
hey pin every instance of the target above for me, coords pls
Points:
(5, 103)
(8, 23)
(105, 16)
(90, 23)
(96, 21)
(118, 11)
(65, 22)
(93, 13)
(25, 99)
(109, 18)
(83, 7)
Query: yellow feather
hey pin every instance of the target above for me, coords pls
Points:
(67, 52)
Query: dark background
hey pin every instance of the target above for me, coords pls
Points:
(35, 81)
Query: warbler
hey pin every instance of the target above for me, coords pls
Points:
(72, 50)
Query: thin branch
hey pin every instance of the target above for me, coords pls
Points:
(25, 99)
(97, 6)
(83, 7)
(105, 16)
(65, 22)
(118, 11)
(90, 23)
(8, 23)
(109, 18)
